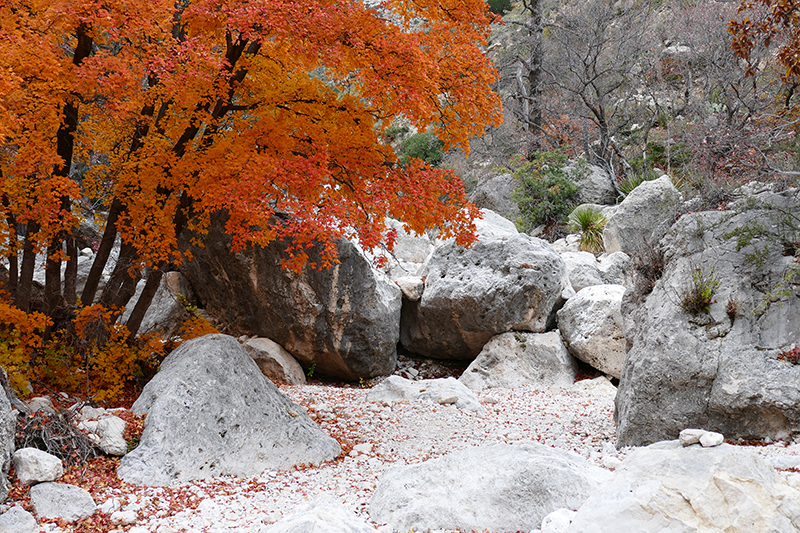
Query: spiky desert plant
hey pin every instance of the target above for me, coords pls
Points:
(590, 221)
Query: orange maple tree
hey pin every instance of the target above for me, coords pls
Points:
(273, 110)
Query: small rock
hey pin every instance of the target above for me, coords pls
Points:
(57, 500)
(711, 438)
(35, 466)
(364, 447)
(88, 412)
(112, 441)
(43, 404)
(124, 518)
(558, 521)
(448, 400)
(18, 520)
(110, 505)
(690, 436)
(411, 286)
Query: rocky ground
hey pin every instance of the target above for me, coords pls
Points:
(375, 437)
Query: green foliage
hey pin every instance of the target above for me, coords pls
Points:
(698, 295)
(310, 371)
(395, 132)
(546, 195)
(499, 7)
(425, 146)
(628, 184)
(590, 222)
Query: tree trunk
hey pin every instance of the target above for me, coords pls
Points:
(25, 286)
(103, 253)
(143, 303)
(13, 263)
(122, 284)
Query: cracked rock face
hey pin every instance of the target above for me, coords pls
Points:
(718, 370)
(504, 282)
(344, 320)
(211, 412)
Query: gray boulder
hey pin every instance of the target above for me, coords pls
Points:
(515, 359)
(583, 269)
(718, 370)
(642, 218)
(506, 487)
(18, 520)
(8, 421)
(323, 515)
(275, 362)
(504, 283)
(344, 319)
(616, 269)
(409, 253)
(668, 487)
(35, 466)
(210, 412)
(444, 391)
(591, 322)
(594, 184)
(496, 194)
(167, 313)
(57, 500)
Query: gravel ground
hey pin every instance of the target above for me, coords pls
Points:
(376, 436)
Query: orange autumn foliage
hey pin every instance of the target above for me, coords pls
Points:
(272, 110)
(259, 107)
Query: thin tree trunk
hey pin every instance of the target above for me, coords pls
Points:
(13, 262)
(103, 253)
(122, 284)
(25, 287)
(143, 303)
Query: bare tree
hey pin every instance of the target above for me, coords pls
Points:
(598, 52)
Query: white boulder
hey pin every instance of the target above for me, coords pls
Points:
(505, 487)
(669, 487)
(516, 358)
(275, 362)
(591, 322)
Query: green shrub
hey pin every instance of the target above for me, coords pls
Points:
(425, 146)
(698, 295)
(631, 182)
(590, 221)
(545, 195)
(499, 7)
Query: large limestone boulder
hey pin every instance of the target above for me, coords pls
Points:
(210, 412)
(506, 281)
(718, 370)
(595, 186)
(496, 194)
(58, 500)
(8, 421)
(409, 253)
(642, 218)
(591, 322)
(505, 487)
(668, 487)
(343, 320)
(515, 359)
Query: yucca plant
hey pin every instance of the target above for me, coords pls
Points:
(590, 221)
